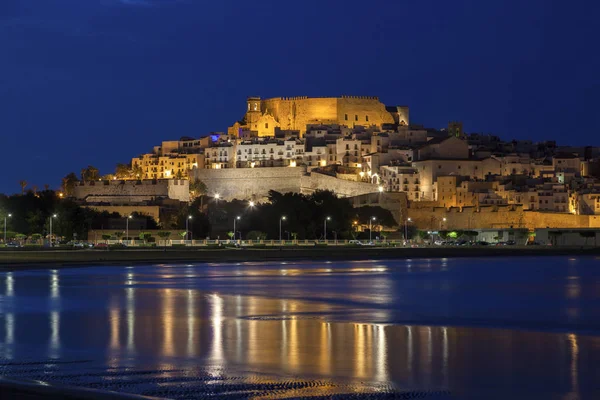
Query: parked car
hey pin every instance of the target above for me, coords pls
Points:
(101, 246)
(510, 243)
(13, 244)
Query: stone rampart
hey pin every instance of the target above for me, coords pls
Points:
(342, 188)
(255, 183)
(132, 191)
(495, 217)
(250, 183)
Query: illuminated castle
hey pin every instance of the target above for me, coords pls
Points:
(295, 113)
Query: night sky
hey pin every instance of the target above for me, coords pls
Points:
(100, 81)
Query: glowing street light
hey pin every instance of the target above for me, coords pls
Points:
(370, 227)
(283, 218)
(217, 196)
(187, 230)
(380, 188)
(251, 203)
(234, 221)
(325, 227)
(406, 228)
(51, 218)
(127, 226)
(6, 216)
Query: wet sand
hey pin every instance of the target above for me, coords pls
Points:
(472, 328)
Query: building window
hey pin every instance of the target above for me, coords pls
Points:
(266, 125)
(356, 117)
(346, 117)
(367, 118)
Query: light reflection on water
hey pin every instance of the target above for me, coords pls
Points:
(339, 323)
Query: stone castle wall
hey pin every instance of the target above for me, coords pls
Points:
(132, 191)
(250, 183)
(342, 188)
(296, 112)
(496, 217)
(255, 183)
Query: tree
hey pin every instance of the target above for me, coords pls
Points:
(105, 236)
(164, 235)
(68, 184)
(423, 235)
(119, 234)
(123, 171)
(90, 173)
(145, 236)
(197, 188)
(587, 235)
(230, 234)
(23, 186)
(256, 235)
(137, 171)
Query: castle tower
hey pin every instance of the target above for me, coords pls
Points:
(253, 113)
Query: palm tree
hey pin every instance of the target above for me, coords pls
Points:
(23, 186)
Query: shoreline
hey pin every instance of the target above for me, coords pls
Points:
(20, 260)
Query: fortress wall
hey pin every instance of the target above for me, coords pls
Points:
(487, 218)
(297, 112)
(363, 106)
(134, 190)
(255, 183)
(342, 188)
(250, 183)
(306, 111)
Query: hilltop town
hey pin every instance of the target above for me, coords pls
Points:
(370, 153)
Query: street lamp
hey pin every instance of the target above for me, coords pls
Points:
(9, 215)
(406, 228)
(325, 228)
(127, 227)
(251, 203)
(234, 221)
(187, 230)
(217, 196)
(370, 227)
(280, 220)
(380, 188)
(51, 218)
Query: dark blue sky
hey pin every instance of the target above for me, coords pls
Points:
(99, 81)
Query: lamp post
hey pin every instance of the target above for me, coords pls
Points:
(280, 221)
(441, 224)
(127, 228)
(9, 215)
(251, 203)
(51, 218)
(234, 221)
(406, 228)
(325, 228)
(370, 227)
(187, 230)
